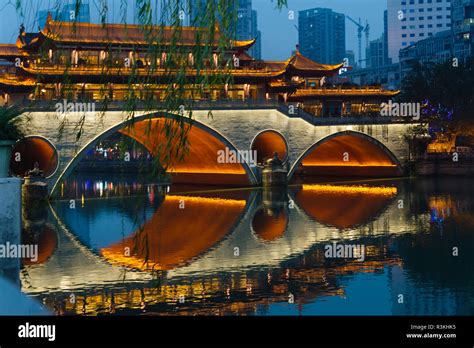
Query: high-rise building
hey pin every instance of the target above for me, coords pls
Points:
(375, 56)
(256, 50)
(67, 13)
(412, 20)
(246, 26)
(463, 28)
(435, 49)
(322, 35)
(377, 52)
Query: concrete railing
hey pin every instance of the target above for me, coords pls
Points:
(49, 105)
(340, 120)
(44, 105)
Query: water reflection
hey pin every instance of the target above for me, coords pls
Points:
(182, 228)
(344, 206)
(193, 250)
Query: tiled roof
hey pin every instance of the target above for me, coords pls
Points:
(132, 34)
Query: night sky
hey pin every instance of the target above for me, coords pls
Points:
(279, 35)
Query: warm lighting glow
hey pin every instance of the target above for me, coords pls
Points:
(350, 154)
(443, 147)
(34, 149)
(201, 159)
(338, 164)
(182, 228)
(349, 189)
(268, 142)
(269, 226)
(344, 206)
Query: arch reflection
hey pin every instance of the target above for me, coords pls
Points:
(182, 228)
(344, 206)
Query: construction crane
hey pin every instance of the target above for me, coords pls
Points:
(360, 29)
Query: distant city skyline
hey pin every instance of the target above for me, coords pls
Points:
(278, 28)
(280, 35)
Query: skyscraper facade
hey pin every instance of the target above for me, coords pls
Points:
(463, 28)
(377, 52)
(412, 20)
(322, 35)
(246, 26)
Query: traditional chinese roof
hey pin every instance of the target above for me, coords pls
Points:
(303, 66)
(117, 74)
(24, 82)
(128, 34)
(9, 51)
(311, 93)
(16, 84)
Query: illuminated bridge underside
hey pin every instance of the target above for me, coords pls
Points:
(342, 206)
(268, 142)
(349, 154)
(200, 164)
(174, 236)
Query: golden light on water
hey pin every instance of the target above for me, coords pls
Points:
(205, 171)
(182, 228)
(206, 201)
(351, 189)
(344, 206)
(308, 163)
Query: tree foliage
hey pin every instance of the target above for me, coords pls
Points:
(446, 92)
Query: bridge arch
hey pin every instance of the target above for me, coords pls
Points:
(202, 155)
(34, 149)
(348, 153)
(268, 141)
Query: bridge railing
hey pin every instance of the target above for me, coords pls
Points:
(49, 105)
(288, 109)
(340, 119)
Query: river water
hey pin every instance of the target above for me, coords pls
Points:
(110, 245)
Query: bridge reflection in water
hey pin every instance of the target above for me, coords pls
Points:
(233, 251)
(344, 206)
(183, 227)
